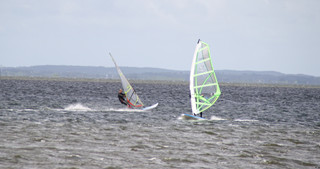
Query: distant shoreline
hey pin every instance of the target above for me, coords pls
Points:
(156, 74)
(89, 80)
(99, 80)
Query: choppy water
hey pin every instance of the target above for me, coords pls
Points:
(74, 124)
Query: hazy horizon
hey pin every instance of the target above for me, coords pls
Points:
(254, 35)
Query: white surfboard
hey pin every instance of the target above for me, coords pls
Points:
(190, 117)
(150, 107)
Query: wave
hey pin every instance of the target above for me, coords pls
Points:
(20, 110)
(123, 110)
(80, 107)
(246, 120)
(217, 118)
(77, 107)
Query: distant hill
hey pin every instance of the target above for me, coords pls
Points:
(226, 76)
(266, 77)
(95, 72)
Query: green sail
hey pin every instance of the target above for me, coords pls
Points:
(204, 87)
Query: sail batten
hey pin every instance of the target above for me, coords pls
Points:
(203, 73)
(204, 87)
(204, 60)
(207, 85)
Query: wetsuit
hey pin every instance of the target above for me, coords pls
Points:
(122, 98)
(200, 114)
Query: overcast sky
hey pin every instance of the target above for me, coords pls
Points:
(263, 35)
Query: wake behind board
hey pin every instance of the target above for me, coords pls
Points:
(150, 107)
(191, 117)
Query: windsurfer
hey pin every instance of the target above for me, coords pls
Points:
(122, 98)
(200, 114)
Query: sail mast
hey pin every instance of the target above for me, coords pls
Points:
(192, 94)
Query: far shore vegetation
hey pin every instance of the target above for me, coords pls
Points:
(183, 82)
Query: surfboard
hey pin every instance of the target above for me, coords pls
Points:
(150, 107)
(191, 117)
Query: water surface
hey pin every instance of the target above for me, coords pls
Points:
(81, 124)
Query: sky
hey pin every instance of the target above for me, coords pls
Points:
(258, 35)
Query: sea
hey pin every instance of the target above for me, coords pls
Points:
(67, 123)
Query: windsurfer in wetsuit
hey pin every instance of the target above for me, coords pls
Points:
(122, 98)
(200, 114)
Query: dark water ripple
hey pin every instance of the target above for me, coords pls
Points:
(74, 124)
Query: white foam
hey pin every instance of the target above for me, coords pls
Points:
(246, 120)
(77, 107)
(80, 107)
(8, 109)
(217, 118)
(124, 110)
(180, 117)
(20, 110)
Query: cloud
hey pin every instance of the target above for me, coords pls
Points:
(250, 34)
